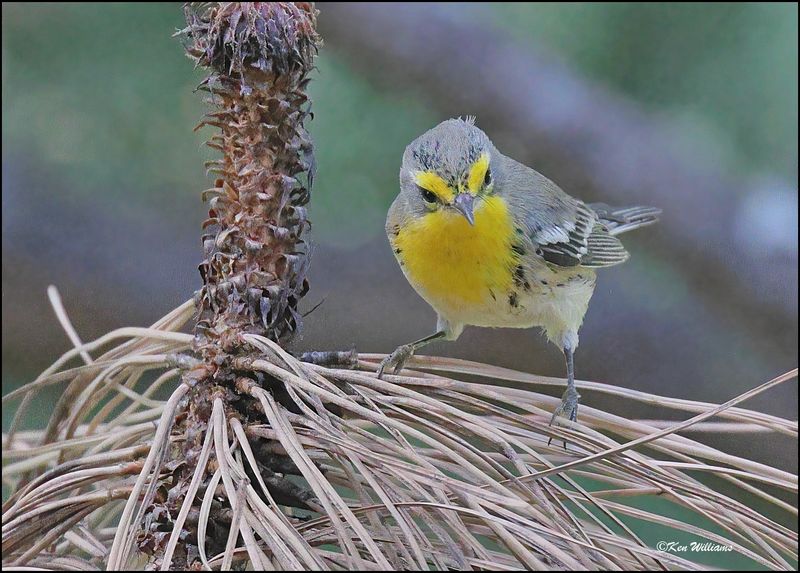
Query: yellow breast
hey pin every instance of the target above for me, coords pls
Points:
(452, 263)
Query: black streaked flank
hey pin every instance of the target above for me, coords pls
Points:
(520, 279)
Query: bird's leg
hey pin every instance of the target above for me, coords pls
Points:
(569, 402)
(399, 357)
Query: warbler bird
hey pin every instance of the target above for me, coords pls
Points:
(487, 241)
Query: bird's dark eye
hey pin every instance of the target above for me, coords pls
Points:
(428, 196)
(487, 179)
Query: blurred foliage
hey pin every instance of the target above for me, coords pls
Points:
(730, 68)
(105, 96)
(360, 135)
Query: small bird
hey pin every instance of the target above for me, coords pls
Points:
(487, 241)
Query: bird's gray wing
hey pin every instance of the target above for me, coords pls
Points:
(576, 238)
(604, 249)
(565, 231)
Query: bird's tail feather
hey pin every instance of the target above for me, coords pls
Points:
(620, 220)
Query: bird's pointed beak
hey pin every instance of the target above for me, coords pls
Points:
(464, 203)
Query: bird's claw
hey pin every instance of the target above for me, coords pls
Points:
(568, 408)
(396, 360)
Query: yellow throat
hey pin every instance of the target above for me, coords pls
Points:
(454, 263)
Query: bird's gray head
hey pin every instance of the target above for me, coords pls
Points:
(452, 166)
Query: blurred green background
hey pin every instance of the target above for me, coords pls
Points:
(102, 176)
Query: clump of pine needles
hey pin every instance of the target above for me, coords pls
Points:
(419, 471)
(219, 450)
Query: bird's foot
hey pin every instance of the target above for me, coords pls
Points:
(567, 409)
(396, 360)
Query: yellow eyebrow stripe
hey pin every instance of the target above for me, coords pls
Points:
(476, 174)
(435, 184)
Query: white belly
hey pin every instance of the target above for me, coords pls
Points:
(555, 300)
